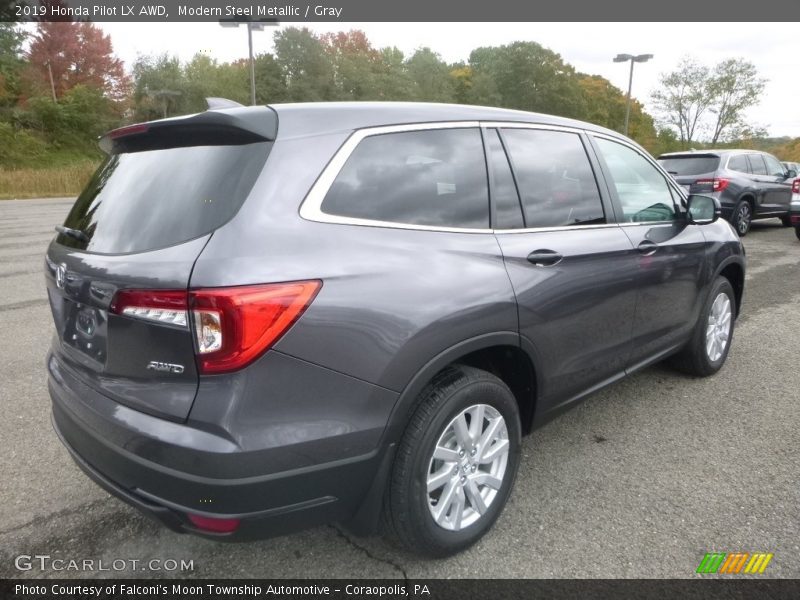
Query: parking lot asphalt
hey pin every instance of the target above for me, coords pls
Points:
(641, 480)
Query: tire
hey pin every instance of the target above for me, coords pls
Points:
(742, 217)
(797, 232)
(409, 506)
(786, 221)
(699, 357)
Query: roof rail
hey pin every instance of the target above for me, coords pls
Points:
(217, 103)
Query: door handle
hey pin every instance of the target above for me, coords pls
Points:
(544, 258)
(647, 247)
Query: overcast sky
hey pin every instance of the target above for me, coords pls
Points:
(773, 47)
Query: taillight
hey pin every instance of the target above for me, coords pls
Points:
(717, 184)
(234, 326)
(796, 186)
(168, 307)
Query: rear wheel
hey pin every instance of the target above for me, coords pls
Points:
(786, 221)
(706, 352)
(455, 465)
(742, 217)
(797, 232)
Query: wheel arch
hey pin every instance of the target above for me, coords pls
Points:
(732, 269)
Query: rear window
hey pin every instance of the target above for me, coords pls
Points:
(689, 165)
(433, 178)
(147, 200)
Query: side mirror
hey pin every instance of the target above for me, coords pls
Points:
(791, 174)
(702, 210)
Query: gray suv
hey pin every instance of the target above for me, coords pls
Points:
(273, 317)
(748, 184)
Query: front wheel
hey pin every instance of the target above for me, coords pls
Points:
(706, 352)
(455, 465)
(742, 217)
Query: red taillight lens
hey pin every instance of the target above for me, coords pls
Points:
(717, 185)
(234, 326)
(129, 130)
(214, 525)
(796, 186)
(168, 307)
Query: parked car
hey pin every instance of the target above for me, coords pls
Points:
(794, 210)
(748, 184)
(273, 317)
(791, 166)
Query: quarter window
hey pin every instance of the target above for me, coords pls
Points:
(555, 178)
(738, 162)
(434, 177)
(642, 191)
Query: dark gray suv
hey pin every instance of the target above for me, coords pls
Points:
(748, 184)
(273, 317)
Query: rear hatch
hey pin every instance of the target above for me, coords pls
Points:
(139, 225)
(693, 171)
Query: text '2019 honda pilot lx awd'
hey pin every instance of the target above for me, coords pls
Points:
(273, 317)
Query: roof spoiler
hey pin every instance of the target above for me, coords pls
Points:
(220, 126)
(217, 103)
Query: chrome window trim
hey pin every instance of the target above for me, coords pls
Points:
(311, 208)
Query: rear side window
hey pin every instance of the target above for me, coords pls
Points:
(774, 167)
(434, 178)
(555, 178)
(738, 162)
(146, 200)
(757, 166)
(689, 165)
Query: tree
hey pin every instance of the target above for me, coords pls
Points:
(734, 86)
(683, 98)
(270, 80)
(356, 65)
(430, 76)
(11, 63)
(527, 76)
(307, 70)
(160, 87)
(76, 54)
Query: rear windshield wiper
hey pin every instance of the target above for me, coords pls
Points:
(73, 233)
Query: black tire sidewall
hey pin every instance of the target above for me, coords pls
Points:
(485, 391)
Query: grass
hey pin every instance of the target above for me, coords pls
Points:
(45, 182)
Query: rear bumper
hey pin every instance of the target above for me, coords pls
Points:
(109, 443)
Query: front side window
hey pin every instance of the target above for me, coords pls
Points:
(434, 177)
(774, 167)
(555, 178)
(642, 190)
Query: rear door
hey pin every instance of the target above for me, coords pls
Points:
(570, 265)
(140, 224)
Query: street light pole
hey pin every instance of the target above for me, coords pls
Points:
(632, 59)
(251, 27)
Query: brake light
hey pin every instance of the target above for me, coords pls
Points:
(234, 326)
(796, 186)
(168, 307)
(717, 184)
(129, 130)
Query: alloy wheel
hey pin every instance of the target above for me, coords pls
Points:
(467, 467)
(718, 330)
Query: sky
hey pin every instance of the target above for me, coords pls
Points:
(774, 48)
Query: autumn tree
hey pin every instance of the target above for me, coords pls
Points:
(356, 65)
(606, 105)
(76, 54)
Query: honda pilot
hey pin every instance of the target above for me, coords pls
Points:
(272, 317)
